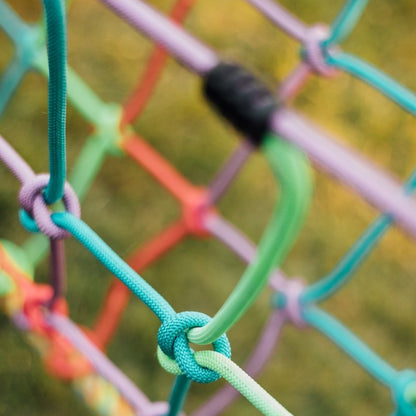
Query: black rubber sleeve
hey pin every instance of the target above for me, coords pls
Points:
(241, 98)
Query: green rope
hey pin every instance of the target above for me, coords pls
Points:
(291, 169)
(237, 377)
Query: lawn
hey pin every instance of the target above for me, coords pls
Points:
(308, 374)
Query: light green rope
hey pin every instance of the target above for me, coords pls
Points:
(237, 377)
(292, 172)
(410, 393)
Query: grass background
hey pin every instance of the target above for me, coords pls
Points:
(308, 374)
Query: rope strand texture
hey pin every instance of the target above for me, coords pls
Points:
(230, 371)
(86, 236)
(56, 27)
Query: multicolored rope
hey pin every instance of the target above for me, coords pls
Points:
(282, 134)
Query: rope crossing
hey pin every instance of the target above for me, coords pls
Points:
(266, 122)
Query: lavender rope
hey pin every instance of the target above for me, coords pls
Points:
(289, 23)
(290, 86)
(375, 186)
(57, 270)
(105, 367)
(191, 52)
(20, 169)
(224, 178)
(239, 243)
(291, 289)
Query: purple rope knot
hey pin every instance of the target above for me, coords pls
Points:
(291, 290)
(36, 216)
(173, 342)
(314, 53)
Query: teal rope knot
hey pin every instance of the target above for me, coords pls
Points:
(403, 393)
(173, 342)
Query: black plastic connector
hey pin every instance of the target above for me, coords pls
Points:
(241, 98)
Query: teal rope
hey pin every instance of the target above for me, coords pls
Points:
(344, 270)
(56, 28)
(400, 389)
(350, 344)
(178, 395)
(346, 21)
(401, 383)
(373, 76)
(86, 236)
(10, 23)
(10, 80)
(172, 334)
(174, 326)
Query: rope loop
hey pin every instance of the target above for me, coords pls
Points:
(173, 342)
(314, 53)
(36, 216)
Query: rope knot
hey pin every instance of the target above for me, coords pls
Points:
(173, 342)
(36, 215)
(314, 53)
(289, 293)
(403, 392)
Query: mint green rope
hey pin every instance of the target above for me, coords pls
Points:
(291, 169)
(237, 377)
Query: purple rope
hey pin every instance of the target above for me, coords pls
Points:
(227, 173)
(239, 243)
(282, 18)
(20, 169)
(57, 269)
(374, 185)
(246, 250)
(258, 359)
(311, 37)
(20, 321)
(191, 52)
(105, 367)
(289, 87)
(100, 362)
(31, 192)
(32, 200)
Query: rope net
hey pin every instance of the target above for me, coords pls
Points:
(265, 120)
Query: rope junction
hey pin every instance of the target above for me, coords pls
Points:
(77, 354)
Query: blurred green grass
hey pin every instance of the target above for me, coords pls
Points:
(308, 374)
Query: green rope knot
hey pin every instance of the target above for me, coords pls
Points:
(173, 342)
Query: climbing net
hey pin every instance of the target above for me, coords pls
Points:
(266, 120)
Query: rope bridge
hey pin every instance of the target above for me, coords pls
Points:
(50, 208)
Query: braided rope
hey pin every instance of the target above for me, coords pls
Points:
(318, 54)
